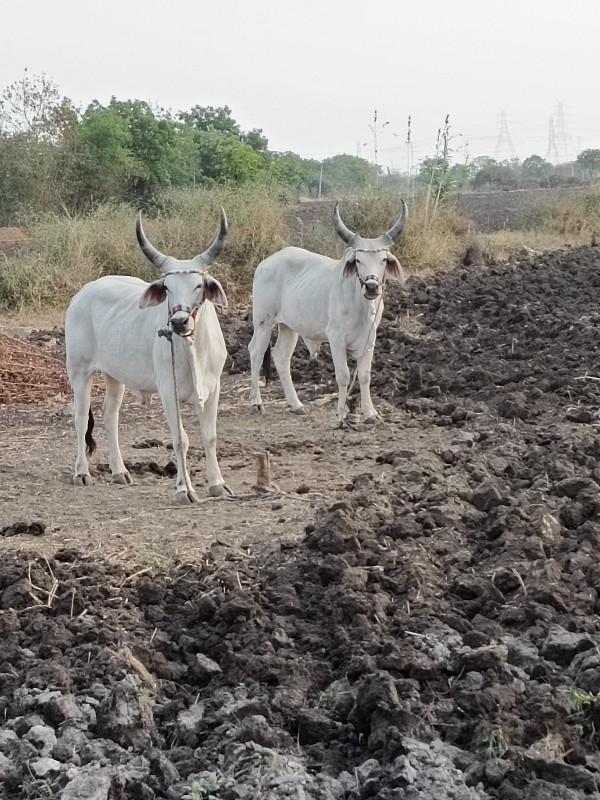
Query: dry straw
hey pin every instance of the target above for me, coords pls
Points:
(28, 374)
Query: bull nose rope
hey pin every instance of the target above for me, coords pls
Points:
(168, 334)
(366, 347)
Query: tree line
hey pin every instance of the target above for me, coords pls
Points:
(55, 157)
(485, 172)
(58, 158)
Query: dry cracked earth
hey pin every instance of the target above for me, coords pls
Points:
(413, 614)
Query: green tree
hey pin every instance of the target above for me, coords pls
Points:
(222, 158)
(106, 163)
(222, 150)
(536, 167)
(493, 173)
(156, 146)
(37, 128)
(344, 173)
(477, 163)
(209, 118)
(436, 173)
(292, 170)
(588, 161)
(458, 176)
(128, 150)
(256, 140)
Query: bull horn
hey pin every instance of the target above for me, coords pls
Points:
(345, 234)
(396, 229)
(209, 255)
(153, 255)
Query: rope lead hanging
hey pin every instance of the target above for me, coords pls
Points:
(168, 334)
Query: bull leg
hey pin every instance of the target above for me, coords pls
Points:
(342, 376)
(112, 404)
(257, 348)
(364, 379)
(184, 489)
(282, 356)
(82, 395)
(208, 428)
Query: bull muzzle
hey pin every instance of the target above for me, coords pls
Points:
(372, 286)
(182, 320)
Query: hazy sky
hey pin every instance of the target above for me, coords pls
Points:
(311, 73)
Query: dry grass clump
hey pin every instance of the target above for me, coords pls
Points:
(501, 245)
(66, 252)
(432, 240)
(549, 223)
(257, 228)
(575, 218)
(63, 253)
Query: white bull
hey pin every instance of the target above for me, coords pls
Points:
(112, 326)
(321, 299)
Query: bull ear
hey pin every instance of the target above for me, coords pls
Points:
(154, 295)
(350, 267)
(213, 291)
(393, 268)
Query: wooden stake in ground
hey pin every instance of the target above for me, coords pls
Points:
(263, 473)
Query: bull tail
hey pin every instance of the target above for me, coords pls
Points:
(90, 442)
(266, 364)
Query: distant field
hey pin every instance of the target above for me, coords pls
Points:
(493, 211)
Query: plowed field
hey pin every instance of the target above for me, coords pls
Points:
(412, 614)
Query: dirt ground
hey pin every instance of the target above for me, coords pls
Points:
(311, 463)
(413, 615)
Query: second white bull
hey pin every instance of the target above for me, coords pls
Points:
(323, 299)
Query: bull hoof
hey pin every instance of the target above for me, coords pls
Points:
(348, 422)
(122, 478)
(186, 498)
(258, 409)
(372, 420)
(220, 490)
(301, 411)
(83, 480)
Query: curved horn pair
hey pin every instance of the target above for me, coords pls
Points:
(158, 259)
(350, 238)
